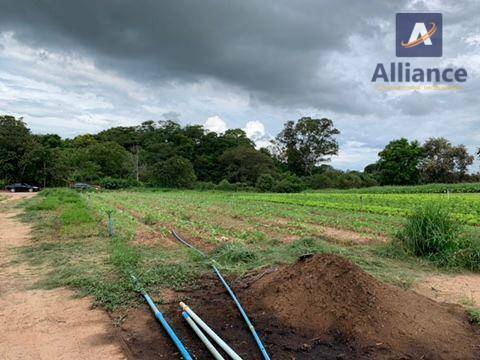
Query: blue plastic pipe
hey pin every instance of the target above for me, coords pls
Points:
(165, 324)
(232, 295)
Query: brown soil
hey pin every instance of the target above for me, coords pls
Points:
(325, 295)
(44, 324)
(322, 307)
(464, 289)
(147, 340)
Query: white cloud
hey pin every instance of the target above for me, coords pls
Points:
(254, 129)
(216, 124)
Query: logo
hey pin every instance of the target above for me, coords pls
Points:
(419, 35)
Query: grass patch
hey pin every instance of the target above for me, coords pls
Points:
(433, 233)
(474, 315)
(71, 240)
(430, 232)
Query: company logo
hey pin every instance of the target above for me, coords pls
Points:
(419, 35)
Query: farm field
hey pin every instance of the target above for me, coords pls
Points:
(249, 236)
(465, 207)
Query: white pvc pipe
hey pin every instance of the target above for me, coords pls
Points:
(202, 337)
(211, 333)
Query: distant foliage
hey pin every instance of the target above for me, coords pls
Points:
(304, 144)
(176, 172)
(398, 163)
(151, 153)
(265, 183)
(289, 184)
(118, 183)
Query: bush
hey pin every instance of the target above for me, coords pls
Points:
(3, 183)
(431, 231)
(176, 172)
(289, 184)
(116, 183)
(224, 185)
(265, 183)
(204, 185)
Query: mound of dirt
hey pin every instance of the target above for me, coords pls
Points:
(326, 296)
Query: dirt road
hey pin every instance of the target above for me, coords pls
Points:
(44, 324)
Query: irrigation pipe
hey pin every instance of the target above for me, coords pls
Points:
(210, 332)
(202, 337)
(232, 295)
(164, 322)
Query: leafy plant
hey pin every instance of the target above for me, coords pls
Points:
(430, 231)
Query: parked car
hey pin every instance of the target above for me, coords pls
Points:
(85, 186)
(21, 187)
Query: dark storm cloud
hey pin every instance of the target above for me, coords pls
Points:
(273, 49)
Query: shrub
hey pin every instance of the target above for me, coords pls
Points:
(265, 183)
(116, 183)
(289, 184)
(205, 185)
(224, 185)
(430, 231)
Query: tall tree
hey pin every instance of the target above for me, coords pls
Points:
(444, 162)
(245, 164)
(16, 147)
(304, 144)
(398, 163)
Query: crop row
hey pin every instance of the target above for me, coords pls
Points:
(465, 208)
(418, 189)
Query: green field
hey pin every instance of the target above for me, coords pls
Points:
(242, 232)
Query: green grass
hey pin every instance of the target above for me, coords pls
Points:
(417, 189)
(240, 234)
(474, 315)
(465, 208)
(432, 232)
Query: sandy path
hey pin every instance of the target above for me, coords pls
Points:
(458, 289)
(44, 324)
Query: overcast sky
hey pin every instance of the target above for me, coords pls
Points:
(71, 66)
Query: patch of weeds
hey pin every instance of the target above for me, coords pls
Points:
(432, 232)
(150, 219)
(76, 215)
(474, 315)
(234, 253)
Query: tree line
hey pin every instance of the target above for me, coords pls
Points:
(167, 154)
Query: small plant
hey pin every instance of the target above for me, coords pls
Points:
(234, 254)
(431, 231)
(150, 219)
(474, 315)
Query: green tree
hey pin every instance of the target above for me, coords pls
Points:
(174, 172)
(16, 147)
(265, 182)
(305, 144)
(93, 160)
(399, 161)
(245, 164)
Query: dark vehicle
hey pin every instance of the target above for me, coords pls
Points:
(21, 187)
(85, 186)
